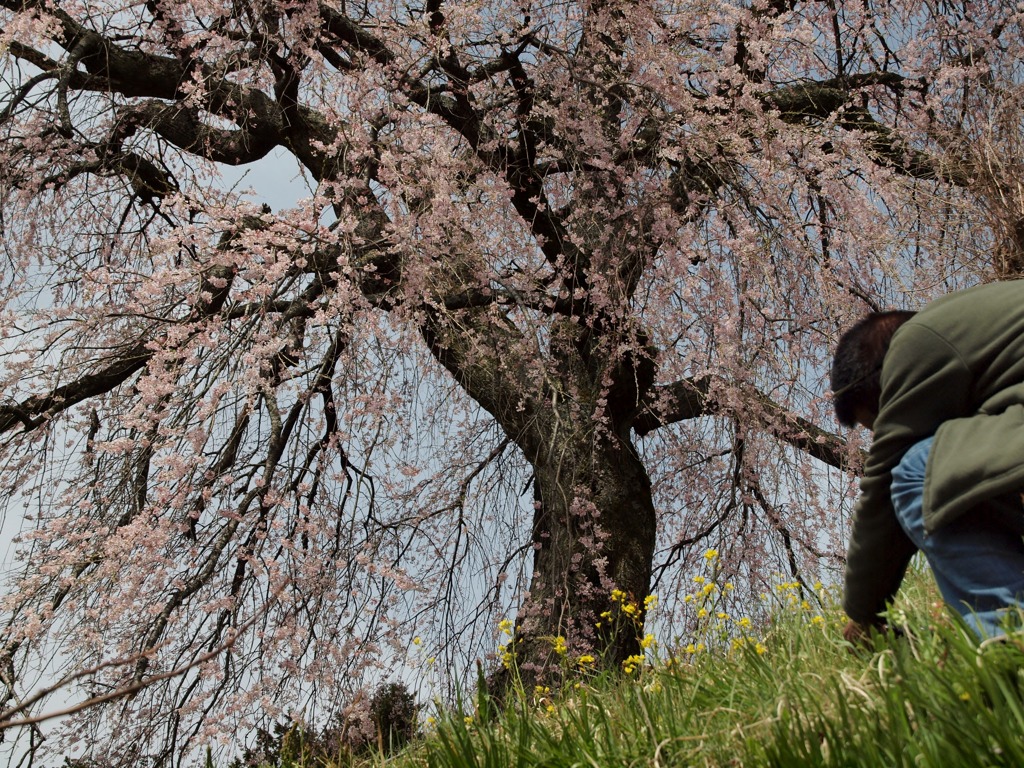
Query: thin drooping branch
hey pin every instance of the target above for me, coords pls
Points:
(121, 692)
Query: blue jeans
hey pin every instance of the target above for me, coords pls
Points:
(978, 559)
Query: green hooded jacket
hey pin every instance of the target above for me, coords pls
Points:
(955, 370)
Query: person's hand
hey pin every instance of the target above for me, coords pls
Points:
(859, 635)
(856, 633)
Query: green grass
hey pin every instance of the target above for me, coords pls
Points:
(800, 697)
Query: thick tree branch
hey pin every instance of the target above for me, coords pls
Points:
(820, 99)
(800, 433)
(480, 350)
(111, 68)
(817, 100)
(181, 126)
(33, 411)
(692, 398)
(214, 287)
(670, 403)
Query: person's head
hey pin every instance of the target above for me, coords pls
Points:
(857, 366)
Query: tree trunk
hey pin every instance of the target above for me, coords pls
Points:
(594, 522)
(594, 536)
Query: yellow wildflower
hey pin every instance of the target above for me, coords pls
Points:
(631, 663)
(508, 655)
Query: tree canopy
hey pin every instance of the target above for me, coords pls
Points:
(552, 321)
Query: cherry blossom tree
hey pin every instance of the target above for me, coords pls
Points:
(552, 321)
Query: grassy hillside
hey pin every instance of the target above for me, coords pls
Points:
(794, 695)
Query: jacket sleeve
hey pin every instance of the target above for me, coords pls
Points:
(924, 382)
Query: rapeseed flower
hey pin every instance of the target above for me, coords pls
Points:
(632, 663)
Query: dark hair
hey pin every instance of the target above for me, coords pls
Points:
(857, 367)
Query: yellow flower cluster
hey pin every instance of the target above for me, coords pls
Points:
(633, 663)
(715, 627)
(507, 650)
(560, 646)
(542, 699)
(627, 608)
(793, 595)
(632, 611)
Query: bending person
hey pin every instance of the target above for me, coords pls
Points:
(942, 390)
